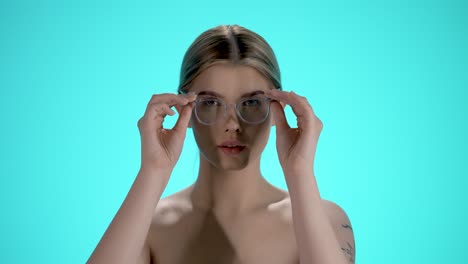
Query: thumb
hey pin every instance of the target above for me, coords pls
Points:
(280, 118)
(184, 118)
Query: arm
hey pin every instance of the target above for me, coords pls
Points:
(319, 239)
(125, 240)
(342, 229)
(323, 235)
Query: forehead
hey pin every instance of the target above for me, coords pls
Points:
(230, 81)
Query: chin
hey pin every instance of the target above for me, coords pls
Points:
(227, 163)
(232, 166)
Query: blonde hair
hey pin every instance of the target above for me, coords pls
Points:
(228, 44)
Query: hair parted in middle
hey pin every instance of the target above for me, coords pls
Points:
(228, 44)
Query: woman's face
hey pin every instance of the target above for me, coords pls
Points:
(229, 83)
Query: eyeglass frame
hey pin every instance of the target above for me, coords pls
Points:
(198, 100)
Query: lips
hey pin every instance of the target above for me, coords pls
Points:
(232, 144)
(232, 150)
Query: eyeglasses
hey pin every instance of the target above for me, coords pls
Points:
(252, 110)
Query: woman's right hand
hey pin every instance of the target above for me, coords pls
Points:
(160, 147)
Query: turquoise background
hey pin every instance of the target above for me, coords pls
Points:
(387, 78)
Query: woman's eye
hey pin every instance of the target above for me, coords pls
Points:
(210, 102)
(251, 102)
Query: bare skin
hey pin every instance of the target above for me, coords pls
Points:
(231, 214)
(182, 233)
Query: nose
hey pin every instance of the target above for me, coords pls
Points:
(232, 121)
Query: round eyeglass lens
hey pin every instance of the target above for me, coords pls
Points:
(252, 110)
(208, 110)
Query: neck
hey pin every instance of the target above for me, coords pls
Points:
(230, 192)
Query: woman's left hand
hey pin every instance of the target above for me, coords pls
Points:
(296, 146)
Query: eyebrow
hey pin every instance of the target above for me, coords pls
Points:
(219, 95)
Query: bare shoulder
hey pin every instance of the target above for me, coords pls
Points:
(281, 208)
(170, 225)
(331, 205)
(170, 210)
(335, 212)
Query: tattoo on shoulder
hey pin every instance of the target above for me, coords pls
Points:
(347, 226)
(349, 252)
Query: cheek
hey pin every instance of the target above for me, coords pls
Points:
(260, 134)
(203, 135)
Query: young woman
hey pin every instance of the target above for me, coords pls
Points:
(229, 95)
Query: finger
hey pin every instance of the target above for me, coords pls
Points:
(280, 118)
(158, 112)
(170, 99)
(299, 105)
(184, 118)
(190, 96)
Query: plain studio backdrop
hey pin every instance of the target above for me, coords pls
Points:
(387, 78)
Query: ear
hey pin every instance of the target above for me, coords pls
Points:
(178, 108)
(273, 122)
